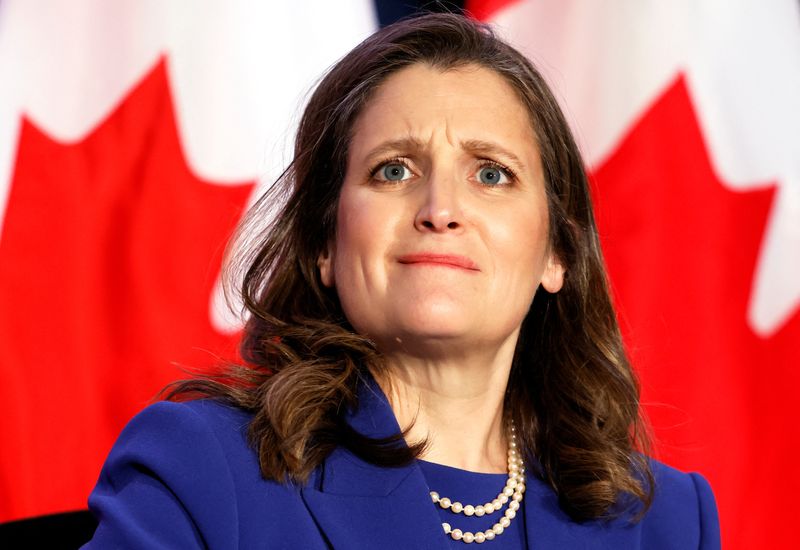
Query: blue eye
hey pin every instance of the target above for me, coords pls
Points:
(492, 175)
(393, 171)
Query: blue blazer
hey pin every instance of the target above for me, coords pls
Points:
(182, 475)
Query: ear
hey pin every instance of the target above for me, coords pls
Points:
(325, 265)
(553, 276)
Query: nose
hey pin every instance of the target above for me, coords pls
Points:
(440, 208)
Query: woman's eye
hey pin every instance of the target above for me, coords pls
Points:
(393, 171)
(492, 175)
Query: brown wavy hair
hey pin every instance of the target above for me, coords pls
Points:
(571, 393)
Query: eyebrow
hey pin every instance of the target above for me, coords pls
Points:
(489, 148)
(410, 144)
(475, 146)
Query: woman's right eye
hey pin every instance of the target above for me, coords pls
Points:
(392, 171)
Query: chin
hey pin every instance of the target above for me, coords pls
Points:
(440, 316)
(436, 330)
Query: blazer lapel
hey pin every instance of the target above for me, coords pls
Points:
(546, 525)
(360, 505)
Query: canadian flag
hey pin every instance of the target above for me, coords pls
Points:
(688, 113)
(132, 135)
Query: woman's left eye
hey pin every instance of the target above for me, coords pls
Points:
(493, 175)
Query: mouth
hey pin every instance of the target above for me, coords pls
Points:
(439, 260)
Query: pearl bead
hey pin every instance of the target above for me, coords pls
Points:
(513, 489)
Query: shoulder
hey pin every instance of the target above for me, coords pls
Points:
(184, 472)
(209, 413)
(682, 516)
(196, 415)
(170, 436)
(683, 511)
(202, 421)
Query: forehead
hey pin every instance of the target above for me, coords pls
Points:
(465, 103)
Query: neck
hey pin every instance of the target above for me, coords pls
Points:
(455, 404)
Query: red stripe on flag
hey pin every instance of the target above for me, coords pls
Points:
(681, 251)
(109, 254)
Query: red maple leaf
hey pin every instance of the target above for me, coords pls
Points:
(109, 252)
(681, 251)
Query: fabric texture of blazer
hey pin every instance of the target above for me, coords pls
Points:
(182, 475)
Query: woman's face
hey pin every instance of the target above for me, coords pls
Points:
(442, 225)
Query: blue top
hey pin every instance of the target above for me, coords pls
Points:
(182, 475)
(473, 488)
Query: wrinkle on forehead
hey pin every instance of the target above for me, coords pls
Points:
(410, 144)
(414, 108)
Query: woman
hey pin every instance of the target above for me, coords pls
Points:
(432, 355)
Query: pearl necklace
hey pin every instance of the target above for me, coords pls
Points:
(513, 490)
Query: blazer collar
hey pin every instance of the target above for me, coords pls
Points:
(360, 505)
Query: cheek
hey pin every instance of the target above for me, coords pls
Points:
(360, 231)
(363, 235)
(520, 252)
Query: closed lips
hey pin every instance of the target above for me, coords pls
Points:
(444, 260)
